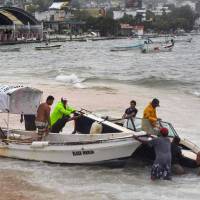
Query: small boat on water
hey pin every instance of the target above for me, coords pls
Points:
(127, 48)
(48, 47)
(156, 48)
(182, 39)
(15, 49)
(97, 139)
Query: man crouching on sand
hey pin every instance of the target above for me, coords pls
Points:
(43, 117)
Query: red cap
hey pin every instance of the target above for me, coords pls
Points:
(164, 132)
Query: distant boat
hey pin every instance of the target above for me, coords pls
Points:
(126, 48)
(152, 48)
(16, 49)
(183, 39)
(48, 47)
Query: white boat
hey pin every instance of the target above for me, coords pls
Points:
(109, 141)
(156, 48)
(182, 39)
(48, 47)
(113, 142)
(127, 48)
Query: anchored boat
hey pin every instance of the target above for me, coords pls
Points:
(48, 47)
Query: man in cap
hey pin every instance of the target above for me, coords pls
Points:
(161, 168)
(61, 115)
(150, 119)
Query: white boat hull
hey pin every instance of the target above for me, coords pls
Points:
(72, 153)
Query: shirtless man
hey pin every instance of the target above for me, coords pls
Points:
(43, 117)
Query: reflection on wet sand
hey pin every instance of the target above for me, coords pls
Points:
(14, 187)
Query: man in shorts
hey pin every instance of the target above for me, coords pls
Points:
(43, 117)
(161, 168)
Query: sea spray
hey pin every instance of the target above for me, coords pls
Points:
(71, 79)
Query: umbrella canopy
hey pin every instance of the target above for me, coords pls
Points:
(19, 99)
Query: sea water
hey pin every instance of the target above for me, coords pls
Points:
(93, 77)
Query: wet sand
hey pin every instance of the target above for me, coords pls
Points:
(14, 187)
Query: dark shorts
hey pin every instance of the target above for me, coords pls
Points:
(59, 124)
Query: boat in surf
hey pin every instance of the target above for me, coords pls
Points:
(48, 47)
(97, 139)
(111, 143)
(145, 152)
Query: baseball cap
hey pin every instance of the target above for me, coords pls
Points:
(164, 132)
(64, 98)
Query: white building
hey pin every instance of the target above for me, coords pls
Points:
(120, 14)
(55, 13)
(160, 10)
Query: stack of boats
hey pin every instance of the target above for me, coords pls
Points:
(112, 141)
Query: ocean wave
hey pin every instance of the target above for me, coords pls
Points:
(71, 79)
(196, 93)
(160, 82)
(154, 81)
(104, 88)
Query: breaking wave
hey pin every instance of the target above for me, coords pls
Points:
(71, 79)
(160, 82)
(196, 93)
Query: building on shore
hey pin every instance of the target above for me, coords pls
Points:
(60, 18)
(17, 25)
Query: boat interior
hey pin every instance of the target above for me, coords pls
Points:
(189, 150)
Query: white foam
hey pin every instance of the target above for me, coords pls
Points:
(68, 78)
(79, 85)
(196, 93)
(71, 79)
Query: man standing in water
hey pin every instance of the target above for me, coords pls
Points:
(150, 119)
(161, 168)
(43, 117)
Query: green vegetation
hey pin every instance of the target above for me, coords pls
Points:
(183, 18)
(105, 25)
(179, 18)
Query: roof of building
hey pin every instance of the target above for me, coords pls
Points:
(18, 16)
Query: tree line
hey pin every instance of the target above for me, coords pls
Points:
(179, 18)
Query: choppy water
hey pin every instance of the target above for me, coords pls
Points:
(93, 61)
(174, 77)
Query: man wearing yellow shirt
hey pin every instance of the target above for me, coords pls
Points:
(150, 117)
(61, 115)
